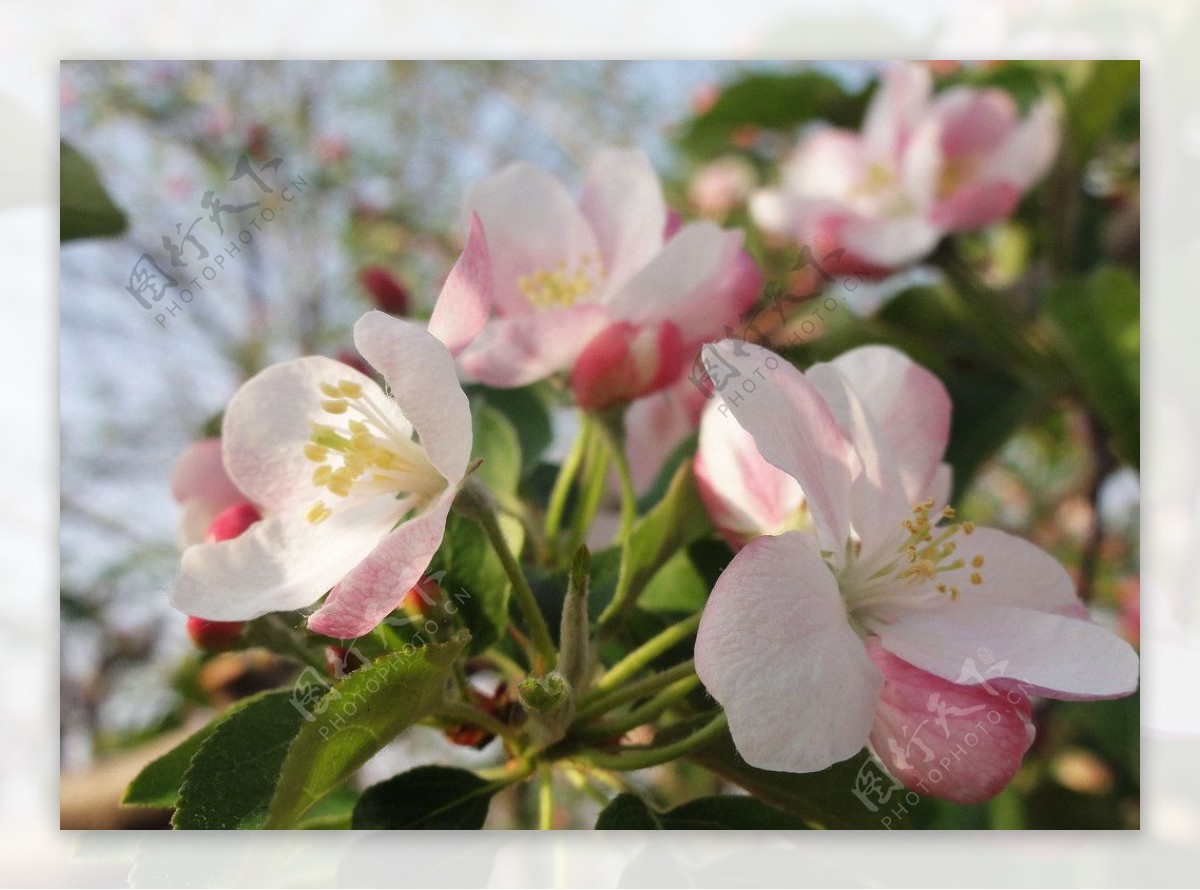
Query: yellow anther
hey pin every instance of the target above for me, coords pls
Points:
(954, 594)
(977, 562)
(321, 474)
(357, 428)
(330, 390)
(968, 527)
(315, 452)
(350, 389)
(941, 588)
(318, 513)
(335, 406)
(976, 578)
(948, 512)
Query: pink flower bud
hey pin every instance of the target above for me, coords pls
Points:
(624, 362)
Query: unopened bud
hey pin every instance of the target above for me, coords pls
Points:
(231, 522)
(386, 292)
(213, 635)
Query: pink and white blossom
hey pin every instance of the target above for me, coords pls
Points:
(602, 289)
(921, 166)
(354, 483)
(876, 616)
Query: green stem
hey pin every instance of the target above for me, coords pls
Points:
(595, 474)
(641, 758)
(562, 483)
(647, 652)
(475, 500)
(507, 774)
(546, 799)
(610, 729)
(596, 702)
(610, 427)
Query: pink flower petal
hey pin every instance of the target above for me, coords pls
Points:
(910, 407)
(687, 283)
(958, 743)
(744, 494)
(523, 349)
(658, 424)
(423, 380)
(775, 649)
(976, 206)
(792, 427)
(379, 582)
(623, 201)
(532, 225)
(200, 473)
(465, 302)
(896, 109)
(973, 121)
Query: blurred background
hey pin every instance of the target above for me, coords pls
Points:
(385, 153)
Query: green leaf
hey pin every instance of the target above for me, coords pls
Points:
(773, 102)
(627, 812)
(677, 521)
(1097, 320)
(357, 718)
(823, 800)
(231, 778)
(1094, 109)
(988, 408)
(470, 573)
(427, 797)
(527, 410)
(720, 812)
(683, 583)
(466, 565)
(496, 442)
(85, 209)
(157, 785)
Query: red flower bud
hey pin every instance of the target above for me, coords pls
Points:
(388, 294)
(231, 522)
(213, 635)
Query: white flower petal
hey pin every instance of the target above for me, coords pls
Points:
(775, 649)
(1049, 654)
(268, 422)
(423, 380)
(282, 563)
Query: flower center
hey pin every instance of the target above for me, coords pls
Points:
(912, 568)
(561, 286)
(370, 454)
